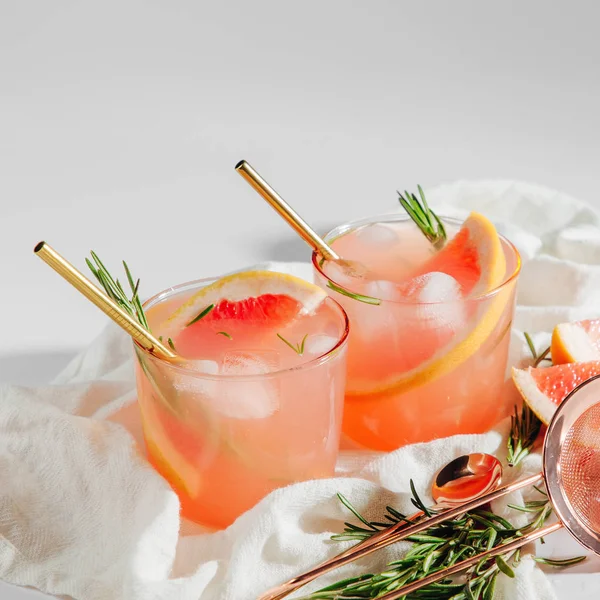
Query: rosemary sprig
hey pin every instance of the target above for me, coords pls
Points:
(524, 428)
(132, 306)
(114, 289)
(427, 221)
(298, 348)
(436, 548)
(537, 358)
(224, 333)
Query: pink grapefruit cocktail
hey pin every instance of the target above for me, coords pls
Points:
(430, 328)
(257, 405)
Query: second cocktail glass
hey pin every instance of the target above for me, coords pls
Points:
(423, 362)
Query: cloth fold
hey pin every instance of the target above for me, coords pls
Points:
(82, 514)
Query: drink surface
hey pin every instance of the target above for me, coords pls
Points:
(429, 360)
(391, 251)
(251, 415)
(222, 343)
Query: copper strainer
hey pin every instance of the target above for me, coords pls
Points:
(571, 471)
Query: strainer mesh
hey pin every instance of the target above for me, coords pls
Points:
(580, 468)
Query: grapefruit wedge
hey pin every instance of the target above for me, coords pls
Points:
(250, 298)
(576, 342)
(475, 258)
(543, 389)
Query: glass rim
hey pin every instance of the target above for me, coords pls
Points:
(190, 371)
(339, 230)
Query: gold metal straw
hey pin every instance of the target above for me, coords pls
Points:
(285, 210)
(64, 268)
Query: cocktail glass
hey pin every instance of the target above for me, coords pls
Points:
(224, 441)
(416, 370)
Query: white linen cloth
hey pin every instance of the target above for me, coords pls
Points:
(83, 515)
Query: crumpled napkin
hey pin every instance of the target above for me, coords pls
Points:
(83, 515)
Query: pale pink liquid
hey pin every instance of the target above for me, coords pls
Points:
(254, 415)
(399, 337)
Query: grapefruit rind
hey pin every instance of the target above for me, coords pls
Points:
(493, 270)
(538, 402)
(173, 466)
(571, 343)
(491, 255)
(243, 285)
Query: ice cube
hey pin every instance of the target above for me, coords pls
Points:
(196, 383)
(250, 362)
(385, 290)
(252, 398)
(437, 287)
(206, 367)
(377, 236)
(441, 301)
(342, 275)
(430, 287)
(318, 345)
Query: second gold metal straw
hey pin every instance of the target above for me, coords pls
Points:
(285, 210)
(66, 270)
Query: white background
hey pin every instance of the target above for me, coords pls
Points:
(121, 122)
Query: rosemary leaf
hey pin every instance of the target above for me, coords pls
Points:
(503, 566)
(559, 562)
(531, 345)
(302, 343)
(129, 277)
(202, 314)
(417, 501)
(490, 588)
(351, 508)
(542, 357)
(360, 297)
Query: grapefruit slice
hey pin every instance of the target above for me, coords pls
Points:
(169, 454)
(475, 258)
(545, 388)
(254, 298)
(174, 447)
(576, 342)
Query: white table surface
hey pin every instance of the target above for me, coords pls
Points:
(121, 122)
